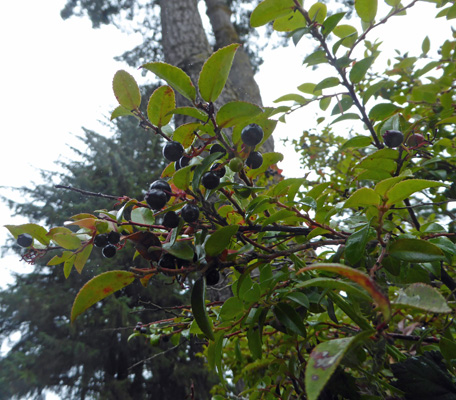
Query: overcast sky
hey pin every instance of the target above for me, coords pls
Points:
(56, 77)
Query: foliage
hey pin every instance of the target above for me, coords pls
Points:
(342, 285)
(93, 358)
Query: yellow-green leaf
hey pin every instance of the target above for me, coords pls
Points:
(236, 112)
(220, 240)
(126, 90)
(161, 102)
(269, 10)
(82, 257)
(366, 9)
(404, 189)
(363, 197)
(98, 288)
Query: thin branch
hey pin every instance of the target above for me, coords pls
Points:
(87, 193)
(157, 355)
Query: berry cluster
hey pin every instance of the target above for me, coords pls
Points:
(140, 328)
(107, 242)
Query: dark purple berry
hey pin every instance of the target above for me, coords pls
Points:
(217, 148)
(182, 162)
(101, 240)
(113, 237)
(254, 160)
(24, 240)
(109, 251)
(212, 277)
(162, 185)
(210, 180)
(218, 169)
(143, 330)
(393, 138)
(173, 151)
(156, 199)
(168, 261)
(171, 219)
(190, 213)
(252, 135)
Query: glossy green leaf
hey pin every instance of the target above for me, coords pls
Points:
(331, 22)
(317, 57)
(287, 315)
(161, 102)
(292, 97)
(68, 266)
(317, 12)
(327, 83)
(254, 342)
(185, 133)
(355, 246)
(309, 88)
(120, 111)
(181, 250)
(215, 71)
(220, 240)
(361, 279)
(236, 112)
(175, 77)
(98, 288)
(126, 90)
(269, 10)
(357, 142)
(343, 31)
(343, 104)
(182, 178)
(66, 241)
(36, 231)
(345, 117)
(366, 9)
(82, 257)
(360, 69)
(382, 111)
(278, 216)
(404, 189)
(323, 361)
(383, 186)
(299, 298)
(198, 301)
(422, 297)
(335, 284)
(415, 250)
(289, 23)
(363, 197)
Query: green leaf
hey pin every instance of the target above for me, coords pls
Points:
(161, 102)
(185, 133)
(68, 265)
(66, 241)
(289, 23)
(383, 186)
(269, 10)
(215, 71)
(268, 160)
(323, 361)
(36, 231)
(292, 97)
(203, 167)
(220, 240)
(342, 105)
(309, 88)
(327, 83)
(287, 315)
(198, 301)
(181, 250)
(366, 9)
(56, 260)
(324, 103)
(98, 288)
(415, 250)
(331, 22)
(182, 177)
(363, 197)
(299, 298)
(426, 45)
(254, 342)
(361, 279)
(317, 57)
(82, 257)
(422, 297)
(121, 111)
(360, 68)
(382, 111)
(236, 112)
(355, 245)
(126, 90)
(343, 31)
(231, 309)
(357, 142)
(318, 12)
(335, 284)
(346, 116)
(175, 77)
(191, 112)
(404, 189)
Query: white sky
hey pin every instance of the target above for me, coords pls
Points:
(56, 77)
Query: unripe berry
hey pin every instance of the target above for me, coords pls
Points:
(236, 164)
(252, 135)
(173, 151)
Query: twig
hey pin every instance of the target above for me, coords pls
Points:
(87, 193)
(157, 355)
